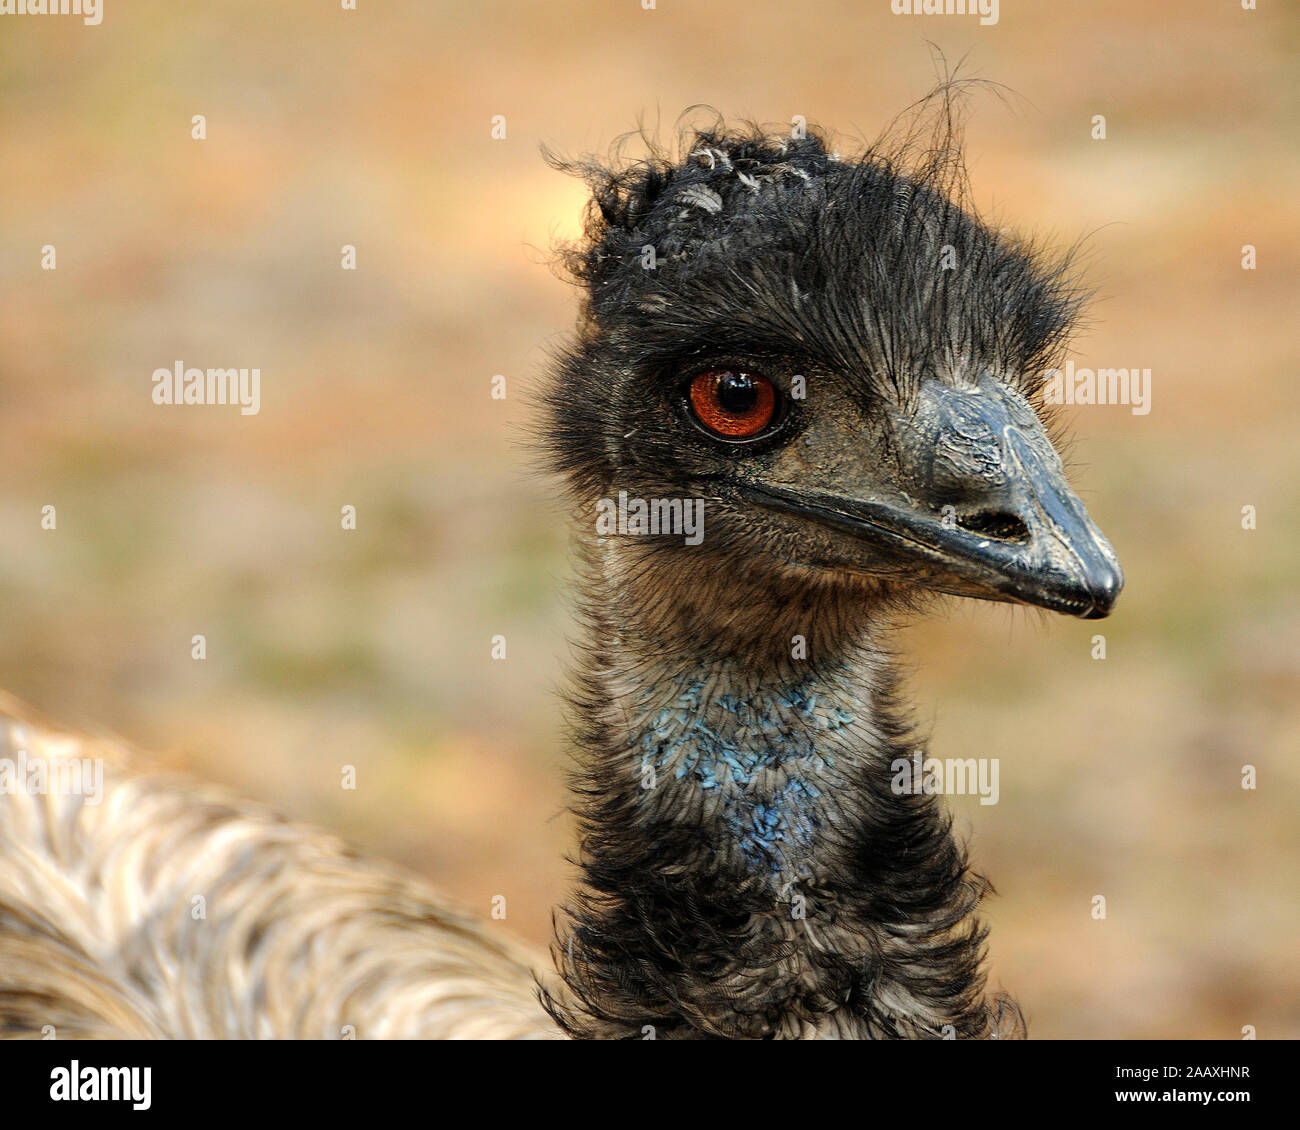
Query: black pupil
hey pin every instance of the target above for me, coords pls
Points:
(737, 393)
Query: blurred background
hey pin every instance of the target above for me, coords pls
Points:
(371, 648)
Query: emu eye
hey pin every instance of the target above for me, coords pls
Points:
(731, 404)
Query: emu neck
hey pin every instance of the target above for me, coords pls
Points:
(748, 871)
(749, 758)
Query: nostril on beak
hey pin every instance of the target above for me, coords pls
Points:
(996, 524)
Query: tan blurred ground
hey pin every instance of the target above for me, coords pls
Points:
(372, 128)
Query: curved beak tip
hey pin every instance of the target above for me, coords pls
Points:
(1104, 586)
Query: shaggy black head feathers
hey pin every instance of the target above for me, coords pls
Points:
(749, 243)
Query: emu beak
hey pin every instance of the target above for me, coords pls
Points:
(998, 520)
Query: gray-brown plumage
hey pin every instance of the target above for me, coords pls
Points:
(842, 367)
(167, 908)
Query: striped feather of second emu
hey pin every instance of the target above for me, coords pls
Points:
(299, 938)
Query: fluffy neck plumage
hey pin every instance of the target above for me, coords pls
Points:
(747, 869)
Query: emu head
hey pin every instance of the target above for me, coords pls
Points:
(840, 360)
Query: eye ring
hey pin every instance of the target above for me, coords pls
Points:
(733, 405)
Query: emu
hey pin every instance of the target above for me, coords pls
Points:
(844, 367)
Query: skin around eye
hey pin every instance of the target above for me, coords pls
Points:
(732, 404)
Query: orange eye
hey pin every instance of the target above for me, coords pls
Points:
(731, 404)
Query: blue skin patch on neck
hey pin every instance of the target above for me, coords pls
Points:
(722, 745)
